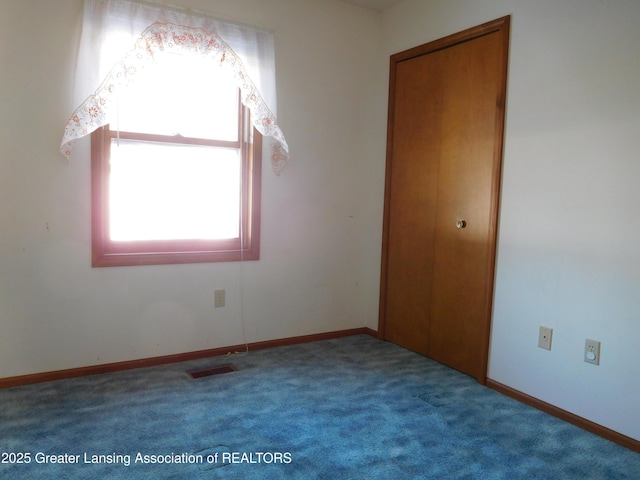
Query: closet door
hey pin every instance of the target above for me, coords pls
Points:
(443, 166)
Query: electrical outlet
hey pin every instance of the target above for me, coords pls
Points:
(544, 338)
(218, 298)
(592, 351)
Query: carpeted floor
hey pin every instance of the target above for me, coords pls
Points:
(353, 408)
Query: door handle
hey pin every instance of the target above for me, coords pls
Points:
(461, 224)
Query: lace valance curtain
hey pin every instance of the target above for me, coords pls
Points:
(119, 38)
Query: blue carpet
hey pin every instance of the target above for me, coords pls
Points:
(353, 408)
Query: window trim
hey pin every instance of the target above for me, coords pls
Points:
(107, 253)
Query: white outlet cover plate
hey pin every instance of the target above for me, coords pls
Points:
(592, 351)
(219, 298)
(544, 338)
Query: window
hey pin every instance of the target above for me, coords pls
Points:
(177, 117)
(176, 176)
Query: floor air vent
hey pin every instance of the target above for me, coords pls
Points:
(208, 372)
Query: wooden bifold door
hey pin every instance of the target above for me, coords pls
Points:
(444, 155)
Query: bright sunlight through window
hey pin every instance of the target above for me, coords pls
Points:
(175, 192)
(165, 191)
(176, 175)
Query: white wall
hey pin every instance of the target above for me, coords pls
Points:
(319, 269)
(568, 255)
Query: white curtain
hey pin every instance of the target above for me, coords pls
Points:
(119, 38)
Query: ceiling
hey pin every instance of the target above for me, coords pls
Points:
(374, 4)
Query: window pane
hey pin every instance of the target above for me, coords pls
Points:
(184, 95)
(173, 192)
